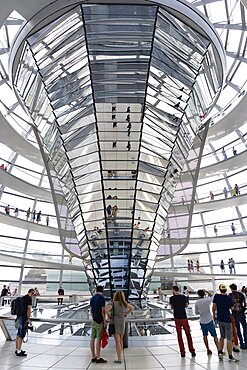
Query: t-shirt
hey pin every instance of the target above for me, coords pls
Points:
(178, 303)
(203, 308)
(4, 292)
(96, 304)
(224, 303)
(60, 291)
(26, 301)
(238, 301)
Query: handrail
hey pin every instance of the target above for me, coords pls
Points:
(22, 214)
(217, 193)
(219, 152)
(88, 321)
(210, 231)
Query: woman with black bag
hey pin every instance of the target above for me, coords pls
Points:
(119, 309)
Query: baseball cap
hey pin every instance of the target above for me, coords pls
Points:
(223, 287)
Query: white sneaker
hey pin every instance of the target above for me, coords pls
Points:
(232, 359)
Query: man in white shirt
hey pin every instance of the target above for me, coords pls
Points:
(203, 308)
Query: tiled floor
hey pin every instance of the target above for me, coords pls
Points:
(144, 353)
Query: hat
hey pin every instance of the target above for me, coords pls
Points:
(223, 287)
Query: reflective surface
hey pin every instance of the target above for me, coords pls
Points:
(118, 117)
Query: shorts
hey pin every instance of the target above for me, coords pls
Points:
(208, 328)
(21, 327)
(226, 330)
(97, 330)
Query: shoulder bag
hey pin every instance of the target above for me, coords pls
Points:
(111, 328)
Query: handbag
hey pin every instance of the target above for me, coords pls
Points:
(105, 338)
(111, 327)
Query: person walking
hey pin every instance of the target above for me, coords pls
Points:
(222, 304)
(234, 151)
(15, 293)
(187, 294)
(28, 213)
(215, 230)
(224, 153)
(16, 212)
(109, 211)
(34, 216)
(4, 293)
(97, 310)
(232, 263)
(128, 146)
(7, 209)
(225, 192)
(197, 266)
(38, 218)
(114, 213)
(129, 126)
(35, 299)
(60, 292)
(203, 308)
(160, 294)
(36, 292)
(211, 195)
(233, 228)
(192, 266)
(113, 107)
(238, 311)
(222, 266)
(47, 220)
(236, 189)
(119, 310)
(22, 321)
(189, 266)
(230, 266)
(178, 303)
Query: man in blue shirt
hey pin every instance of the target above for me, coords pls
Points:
(97, 310)
(222, 305)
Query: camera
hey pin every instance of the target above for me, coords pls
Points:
(30, 327)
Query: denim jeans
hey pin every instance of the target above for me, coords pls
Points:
(241, 319)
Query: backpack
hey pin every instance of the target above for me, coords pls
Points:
(16, 306)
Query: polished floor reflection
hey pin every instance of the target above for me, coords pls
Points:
(149, 353)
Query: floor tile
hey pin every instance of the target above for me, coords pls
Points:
(63, 351)
(11, 360)
(80, 352)
(43, 360)
(25, 367)
(176, 361)
(133, 362)
(108, 366)
(161, 350)
(74, 362)
(149, 353)
(137, 352)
